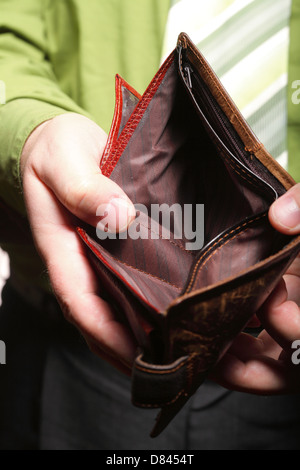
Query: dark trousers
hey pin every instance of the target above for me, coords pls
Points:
(55, 394)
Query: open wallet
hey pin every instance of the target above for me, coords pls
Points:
(184, 144)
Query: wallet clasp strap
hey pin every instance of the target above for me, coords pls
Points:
(165, 386)
(155, 386)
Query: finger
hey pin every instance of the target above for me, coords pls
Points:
(294, 268)
(89, 195)
(292, 280)
(70, 168)
(109, 356)
(293, 287)
(281, 317)
(284, 213)
(261, 376)
(73, 281)
(270, 347)
(246, 346)
(96, 320)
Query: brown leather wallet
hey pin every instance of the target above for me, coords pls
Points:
(185, 143)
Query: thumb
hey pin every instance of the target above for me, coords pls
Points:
(284, 214)
(64, 155)
(97, 200)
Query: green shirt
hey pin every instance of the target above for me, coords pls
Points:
(60, 56)
(294, 105)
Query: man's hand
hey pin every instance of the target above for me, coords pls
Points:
(62, 181)
(264, 365)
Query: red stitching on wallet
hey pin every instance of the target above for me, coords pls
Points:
(135, 118)
(115, 123)
(144, 272)
(99, 254)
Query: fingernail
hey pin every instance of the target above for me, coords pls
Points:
(116, 215)
(287, 212)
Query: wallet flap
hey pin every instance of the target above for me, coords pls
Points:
(126, 99)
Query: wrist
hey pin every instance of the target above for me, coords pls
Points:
(30, 143)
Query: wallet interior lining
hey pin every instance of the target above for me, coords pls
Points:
(171, 158)
(143, 285)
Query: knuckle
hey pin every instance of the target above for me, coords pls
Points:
(77, 194)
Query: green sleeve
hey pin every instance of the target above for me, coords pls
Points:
(294, 104)
(28, 89)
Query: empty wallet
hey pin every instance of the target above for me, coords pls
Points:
(184, 145)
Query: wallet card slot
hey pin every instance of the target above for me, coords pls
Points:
(235, 251)
(221, 131)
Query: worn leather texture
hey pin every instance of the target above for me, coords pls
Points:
(185, 142)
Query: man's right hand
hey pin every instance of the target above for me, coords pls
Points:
(62, 179)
